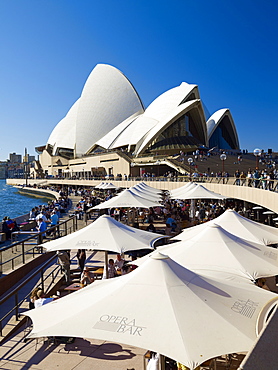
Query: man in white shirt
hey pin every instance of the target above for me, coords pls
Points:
(119, 262)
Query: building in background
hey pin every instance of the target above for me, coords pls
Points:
(108, 130)
(3, 170)
(15, 158)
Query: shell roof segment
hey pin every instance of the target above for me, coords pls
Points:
(63, 135)
(215, 121)
(156, 117)
(108, 98)
(110, 114)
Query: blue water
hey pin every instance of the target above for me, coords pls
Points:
(13, 204)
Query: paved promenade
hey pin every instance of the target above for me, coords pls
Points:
(82, 354)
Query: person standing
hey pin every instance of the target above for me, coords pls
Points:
(64, 262)
(54, 218)
(42, 227)
(119, 262)
(81, 257)
(111, 269)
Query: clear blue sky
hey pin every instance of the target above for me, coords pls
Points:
(48, 48)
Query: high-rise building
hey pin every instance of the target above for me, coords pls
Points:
(15, 158)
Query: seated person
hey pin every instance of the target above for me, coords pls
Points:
(87, 276)
(171, 222)
(6, 229)
(119, 262)
(151, 227)
(42, 300)
(33, 297)
(133, 267)
(125, 269)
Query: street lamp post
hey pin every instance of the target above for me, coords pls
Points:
(190, 161)
(26, 172)
(157, 163)
(257, 153)
(223, 157)
(132, 164)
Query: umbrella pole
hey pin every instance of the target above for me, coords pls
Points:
(192, 209)
(161, 362)
(106, 263)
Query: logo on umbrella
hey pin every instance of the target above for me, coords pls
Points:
(119, 324)
(87, 243)
(245, 308)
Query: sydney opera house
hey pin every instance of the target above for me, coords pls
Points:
(108, 130)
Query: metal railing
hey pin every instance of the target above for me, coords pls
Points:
(271, 185)
(15, 292)
(22, 249)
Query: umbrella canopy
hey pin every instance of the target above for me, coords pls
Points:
(127, 199)
(146, 194)
(98, 186)
(197, 192)
(109, 186)
(237, 225)
(179, 191)
(105, 234)
(149, 188)
(217, 248)
(162, 307)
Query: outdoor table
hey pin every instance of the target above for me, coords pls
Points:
(99, 273)
(73, 287)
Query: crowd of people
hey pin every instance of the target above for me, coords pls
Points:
(46, 215)
(263, 179)
(172, 214)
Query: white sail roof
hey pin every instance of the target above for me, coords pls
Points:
(107, 99)
(64, 134)
(158, 116)
(215, 120)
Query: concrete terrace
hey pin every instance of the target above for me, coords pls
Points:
(16, 353)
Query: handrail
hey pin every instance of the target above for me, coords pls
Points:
(40, 241)
(27, 280)
(15, 291)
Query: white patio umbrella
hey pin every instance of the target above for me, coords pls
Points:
(215, 247)
(146, 194)
(162, 307)
(108, 186)
(127, 199)
(197, 192)
(98, 186)
(105, 234)
(182, 190)
(149, 188)
(237, 225)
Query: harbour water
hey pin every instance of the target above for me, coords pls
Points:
(14, 204)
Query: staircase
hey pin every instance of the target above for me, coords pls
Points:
(214, 164)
